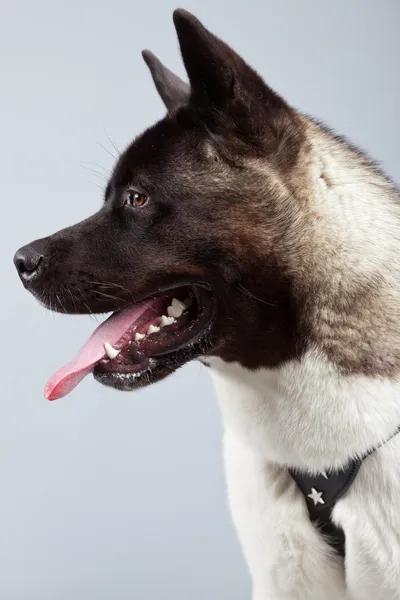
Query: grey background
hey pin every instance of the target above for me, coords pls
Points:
(114, 496)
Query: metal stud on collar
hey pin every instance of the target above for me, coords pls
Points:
(316, 497)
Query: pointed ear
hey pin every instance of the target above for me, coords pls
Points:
(224, 86)
(173, 90)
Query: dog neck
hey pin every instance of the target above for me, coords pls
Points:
(306, 414)
(341, 397)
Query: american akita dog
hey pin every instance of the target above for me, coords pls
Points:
(240, 232)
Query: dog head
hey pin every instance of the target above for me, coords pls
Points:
(191, 243)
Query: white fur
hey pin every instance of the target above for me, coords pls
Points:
(304, 414)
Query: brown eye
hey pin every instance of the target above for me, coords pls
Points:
(137, 199)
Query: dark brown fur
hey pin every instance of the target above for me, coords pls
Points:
(227, 172)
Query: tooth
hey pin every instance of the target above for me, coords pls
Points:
(178, 305)
(176, 308)
(110, 351)
(139, 336)
(165, 321)
(152, 329)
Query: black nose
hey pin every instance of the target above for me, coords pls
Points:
(28, 260)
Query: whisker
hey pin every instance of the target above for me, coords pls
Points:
(108, 151)
(97, 185)
(90, 312)
(98, 174)
(113, 144)
(60, 303)
(93, 316)
(111, 284)
(85, 162)
(73, 299)
(109, 296)
(250, 295)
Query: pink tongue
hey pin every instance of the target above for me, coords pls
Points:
(69, 376)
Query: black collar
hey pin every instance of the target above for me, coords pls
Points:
(322, 491)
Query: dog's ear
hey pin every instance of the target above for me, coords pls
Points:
(172, 89)
(226, 91)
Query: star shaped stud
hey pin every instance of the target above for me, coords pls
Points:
(316, 497)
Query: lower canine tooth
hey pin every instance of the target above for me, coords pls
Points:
(139, 336)
(110, 351)
(165, 321)
(152, 329)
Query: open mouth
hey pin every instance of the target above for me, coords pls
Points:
(136, 340)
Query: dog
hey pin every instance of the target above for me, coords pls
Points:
(239, 232)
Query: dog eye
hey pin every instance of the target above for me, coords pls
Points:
(134, 198)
